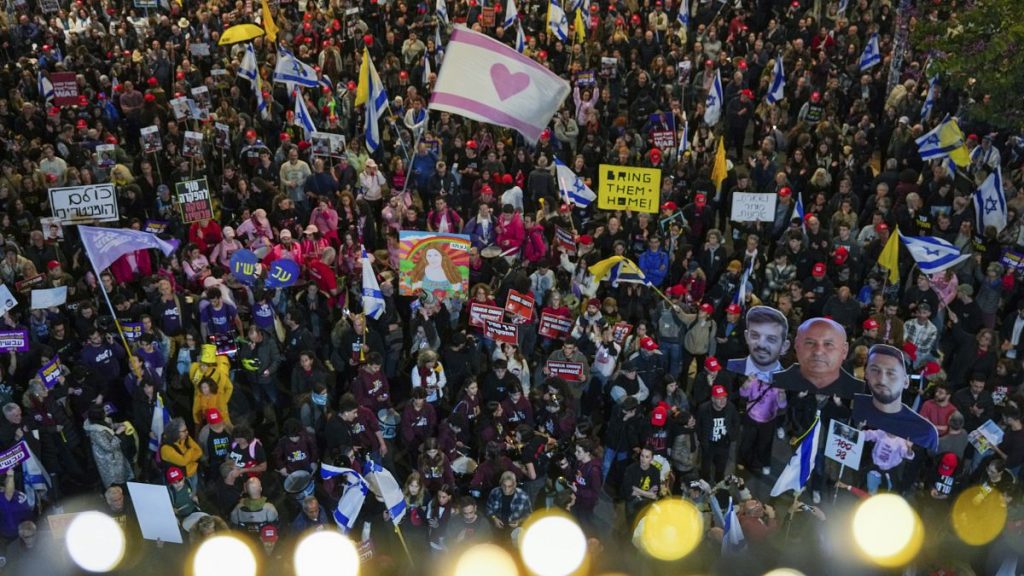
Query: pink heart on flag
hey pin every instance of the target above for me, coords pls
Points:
(507, 83)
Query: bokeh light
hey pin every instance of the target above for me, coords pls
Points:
(95, 542)
(489, 559)
(222, 555)
(887, 530)
(978, 516)
(671, 529)
(784, 572)
(326, 552)
(552, 545)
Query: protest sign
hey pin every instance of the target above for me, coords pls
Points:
(222, 135)
(155, 226)
(13, 456)
(1012, 260)
(519, 306)
(282, 273)
(50, 374)
(179, 106)
(151, 142)
(155, 513)
(16, 340)
(49, 298)
(571, 371)
(845, 444)
(480, 313)
(245, 267)
(194, 200)
(7, 300)
(984, 437)
(434, 263)
(487, 17)
(664, 139)
(52, 228)
(105, 155)
(627, 188)
(501, 332)
(192, 146)
(132, 331)
(49, 6)
(621, 331)
(585, 78)
(29, 283)
(65, 88)
(553, 326)
(78, 204)
(753, 207)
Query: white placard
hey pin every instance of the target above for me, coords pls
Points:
(50, 297)
(845, 444)
(7, 300)
(153, 508)
(753, 207)
(92, 203)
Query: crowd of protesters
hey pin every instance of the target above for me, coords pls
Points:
(264, 385)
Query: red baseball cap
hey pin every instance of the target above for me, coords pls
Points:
(174, 474)
(81, 124)
(707, 308)
(471, 144)
(785, 191)
(677, 290)
(711, 364)
(648, 343)
(733, 309)
(700, 200)
(670, 206)
(931, 368)
(213, 416)
(881, 226)
(948, 464)
(718, 391)
(659, 416)
(870, 324)
(748, 93)
(268, 533)
(841, 255)
(586, 239)
(910, 349)
(818, 270)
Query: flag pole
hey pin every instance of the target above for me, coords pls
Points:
(398, 531)
(106, 298)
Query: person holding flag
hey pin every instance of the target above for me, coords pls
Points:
(370, 92)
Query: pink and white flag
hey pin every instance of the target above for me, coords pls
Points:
(485, 80)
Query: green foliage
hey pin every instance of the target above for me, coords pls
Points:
(979, 49)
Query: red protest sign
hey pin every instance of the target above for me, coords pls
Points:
(65, 88)
(520, 306)
(502, 332)
(572, 371)
(620, 332)
(479, 313)
(554, 326)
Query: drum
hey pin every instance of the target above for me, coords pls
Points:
(491, 252)
(299, 484)
(388, 421)
(463, 466)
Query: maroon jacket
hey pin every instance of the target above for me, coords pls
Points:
(417, 426)
(372, 390)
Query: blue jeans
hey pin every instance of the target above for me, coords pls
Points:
(875, 479)
(673, 352)
(610, 457)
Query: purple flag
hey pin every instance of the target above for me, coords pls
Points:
(104, 245)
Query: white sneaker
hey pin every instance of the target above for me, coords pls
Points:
(780, 433)
(816, 496)
(766, 471)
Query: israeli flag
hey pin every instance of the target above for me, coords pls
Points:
(302, 115)
(437, 42)
(557, 22)
(684, 141)
(373, 298)
(376, 105)
(45, 89)
(387, 488)
(684, 13)
(290, 69)
(572, 186)
(511, 14)
(520, 38)
(990, 202)
(933, 254)
(248, 68)
(160, 419)
(872, 55)
(732, 537)
(352, 498)
(442, 14)
(325, 82)
(261, 102)
(941, 141)
(713, 105)
(929, 100)
(744, 287)
(798, 471)
(842, 6)
(777, 88)
(798, 210)
(34, 475)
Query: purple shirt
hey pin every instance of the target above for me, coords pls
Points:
(764, 402)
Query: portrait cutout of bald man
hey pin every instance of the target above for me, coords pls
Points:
(821, 347)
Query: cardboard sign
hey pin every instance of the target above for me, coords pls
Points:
(155, 512)
(13, 456)
(565, 240)
(155, 226)
(487, 15)
(16, 340)
(571, 371)
(179, 106)
(282, 273)
(753, 207)
(194, 200)
(1012, 260)
(79, 204)
(222, 135)
(609, 67)
(49, 6)
(65, 88)
(50, 374)
(132, 331)
(845, 444)
(30, 283)
(664, 139)
(520, 307)
(480, 313)
(49, 298)
(585, 78)
(192, 147)
(245, 267)
(501, 332)
(554, 327)
(151, 143)
(620, 332)
(7, 300)
(628, 188)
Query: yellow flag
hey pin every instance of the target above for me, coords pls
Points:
(960, 156)
(363, 89)
(581, 34)
(719, 170)
(601, 269)
(268, 22)
(890, 257)
(240, 33)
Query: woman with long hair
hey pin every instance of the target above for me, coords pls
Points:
(177, 448)
(433, 466)
(429, 375)
(434, 270)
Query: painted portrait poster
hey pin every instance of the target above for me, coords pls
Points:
(436, 264)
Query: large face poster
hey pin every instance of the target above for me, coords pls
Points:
(821, 347)
(436, 264)
(883, 408)
(767, 338)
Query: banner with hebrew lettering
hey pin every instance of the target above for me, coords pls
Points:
(282, 273)
(194, 200)
(245, 267)
(84, 204)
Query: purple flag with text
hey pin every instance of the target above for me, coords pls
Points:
(104, 245)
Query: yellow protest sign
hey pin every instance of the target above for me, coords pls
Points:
(628, 188)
